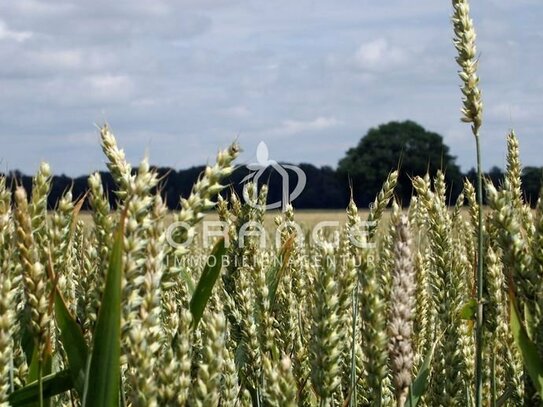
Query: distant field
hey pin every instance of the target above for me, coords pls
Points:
(307, 218)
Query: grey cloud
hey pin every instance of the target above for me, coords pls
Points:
(309, 78)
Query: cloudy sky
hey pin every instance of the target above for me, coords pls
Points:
(179, 79)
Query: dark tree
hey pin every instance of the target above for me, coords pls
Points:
(495, 174)
(403, 145)
(531, 183)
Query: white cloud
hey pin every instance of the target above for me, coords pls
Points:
(58, 59)
(299, 126)
(290, 127)
(378, 54)
(111, 86)
(18, 36)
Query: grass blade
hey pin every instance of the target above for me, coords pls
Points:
(104, 373)
(52, 385)
(73, 342)
(188, 280)
(418, 388)
(27, 338)
(33, 368)
(205, 285)
(71, 335)
(36, 372)
(528, 349)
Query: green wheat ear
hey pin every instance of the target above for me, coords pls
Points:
(8, 291)
(472, 112)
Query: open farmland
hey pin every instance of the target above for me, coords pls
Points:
(436, 303)
(397, 293)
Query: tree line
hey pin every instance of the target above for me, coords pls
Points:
(406, 146)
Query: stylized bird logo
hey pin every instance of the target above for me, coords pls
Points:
(258, 168)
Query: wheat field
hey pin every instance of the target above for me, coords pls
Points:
(426, 305)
